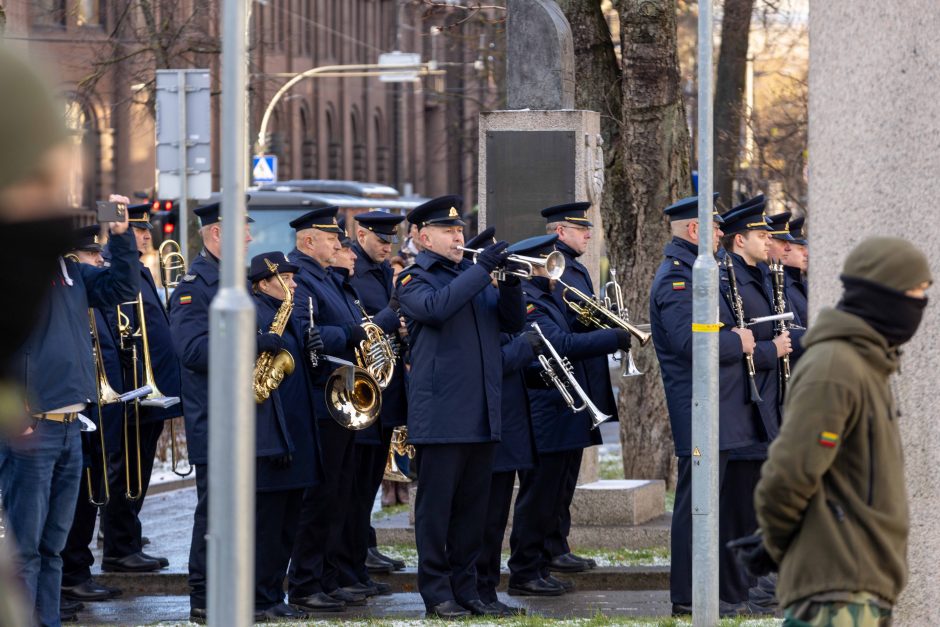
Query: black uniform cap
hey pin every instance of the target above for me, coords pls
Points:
(344, 240)
(440, 211)
(212, 213)
(538, 246)
(382, 223)
(138, 216)
(484, 238)
(687, 209)
(88, 239)
(796, 230)
(780, 226)
(259, 270)
(573, 212)
(323, 218)
(748, 216)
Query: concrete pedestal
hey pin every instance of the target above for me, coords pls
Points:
(874, 161)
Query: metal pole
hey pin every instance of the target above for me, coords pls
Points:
(183, 213)
(231, 358)
(705, 355)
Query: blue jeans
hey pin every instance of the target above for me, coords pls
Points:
(39, 480)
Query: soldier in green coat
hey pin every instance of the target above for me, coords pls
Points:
(831, 501)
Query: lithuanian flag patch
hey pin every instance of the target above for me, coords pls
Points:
(405, 280)
(185, 300)
(828, 439)
(529, 308)
(678, 285)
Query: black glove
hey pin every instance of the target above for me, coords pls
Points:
(393, 302)
(535, 341)
(282, 462)
(623, 340)
(270, 343)
(750, 552)
(126, 357)
(354, 335)
(493, 256)
(314, 345)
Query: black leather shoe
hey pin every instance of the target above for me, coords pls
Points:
(591, 563)
(566, 584)
(70, 607)
(448, 610)
(144, 540)
(349, 598)
(681, 609)
(479, 608)
(566, 564)
(535, 588)
(507, 610)
(318, 602)
(369, 589)
(397, 564)
(197, 615)
(164, 562)
(65, 617)
(136, 563)
(89, 590)
(378, 587)
(281, 611)
(375, 564)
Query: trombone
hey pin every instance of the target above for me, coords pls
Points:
(559, 371)
(106, 396)
(592, 313)
(554, 264)
(154, 399)
(398, 446)
(617, 306)
(172, 267)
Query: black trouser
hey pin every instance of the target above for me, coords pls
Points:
(497, 515)
(542, 490)
(557, 541)
(454, 481)
(358, 532)
(197, 547)
(319, 551)
(737, 519)
(120, 520)
(76, 556)
(276, 516)
(732, 506)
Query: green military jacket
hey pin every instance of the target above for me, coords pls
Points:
(831, 501)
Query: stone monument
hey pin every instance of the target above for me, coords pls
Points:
(874, 145)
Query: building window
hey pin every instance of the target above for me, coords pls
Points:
(49, 13)
(334, 148)
(381, 150)
(360, 161)
(88, 12)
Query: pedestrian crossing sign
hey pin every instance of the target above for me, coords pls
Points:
(264, 169)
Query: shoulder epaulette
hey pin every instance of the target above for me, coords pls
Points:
(188, 278)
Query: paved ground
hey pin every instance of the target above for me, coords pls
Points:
(147, 610)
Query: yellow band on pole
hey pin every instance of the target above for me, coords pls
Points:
(698, 327)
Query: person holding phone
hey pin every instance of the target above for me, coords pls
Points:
(41, 469)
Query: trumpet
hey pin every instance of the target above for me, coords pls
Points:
(559, 371)
(375, 353)
(620, 309)
(592, 313)
(398, 446)
(172, 266)
(154, 399)
(554, 264)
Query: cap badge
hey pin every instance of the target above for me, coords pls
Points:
(453, 213)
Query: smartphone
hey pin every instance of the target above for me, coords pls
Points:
(111, 211)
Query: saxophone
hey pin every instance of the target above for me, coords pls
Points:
(271, 369)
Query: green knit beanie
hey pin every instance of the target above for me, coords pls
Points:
(31, 119)
(892, 262)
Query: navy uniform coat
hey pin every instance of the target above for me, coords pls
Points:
(557, 428)
(373, 282)
(293, 426)
(597, 369)
(163, 359)
(61, 330)
(516, 450)
(756, 292)
(671, 326)
(797, 296)
(455, 316)
(189, 328)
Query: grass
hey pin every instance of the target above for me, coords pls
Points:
(598, 620)
(606, 558)
(388, 512)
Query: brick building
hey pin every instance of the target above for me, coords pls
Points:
(419, 136)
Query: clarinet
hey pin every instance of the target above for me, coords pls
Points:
(780, 306)
(737, 306)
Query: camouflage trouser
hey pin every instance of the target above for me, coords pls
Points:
(857, 609)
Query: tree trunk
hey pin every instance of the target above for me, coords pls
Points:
(729, 94)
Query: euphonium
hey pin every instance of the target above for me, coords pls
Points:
(398, 446)
(271, 369)
(375, 353)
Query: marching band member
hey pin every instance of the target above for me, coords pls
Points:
(455, 317)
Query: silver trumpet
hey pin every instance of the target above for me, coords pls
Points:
(556, 367)
(554, 264)
(616, 305)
